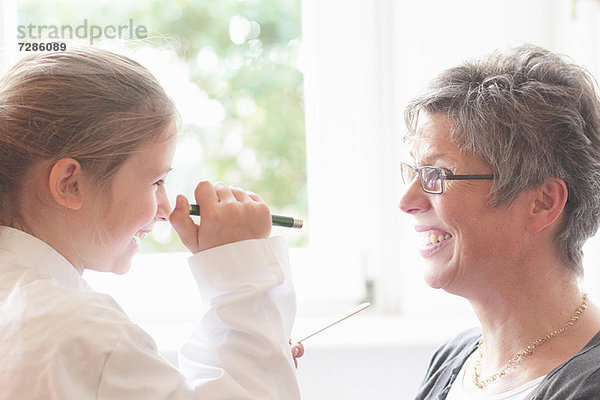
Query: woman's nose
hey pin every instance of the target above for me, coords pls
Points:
(163, 206)
(414, 200)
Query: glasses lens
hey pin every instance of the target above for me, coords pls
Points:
(430, 177)
(407, 173)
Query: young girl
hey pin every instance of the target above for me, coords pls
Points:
(87, 139)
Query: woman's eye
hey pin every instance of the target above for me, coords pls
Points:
(447, 171)
(159, 183)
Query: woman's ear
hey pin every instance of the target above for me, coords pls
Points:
(548, 203)
(65, 183)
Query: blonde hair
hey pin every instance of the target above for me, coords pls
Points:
(89, 104)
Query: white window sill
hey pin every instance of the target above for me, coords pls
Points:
(358, 332)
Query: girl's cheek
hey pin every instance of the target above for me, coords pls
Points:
(145, 207)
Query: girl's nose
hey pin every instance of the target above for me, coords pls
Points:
(164, 207)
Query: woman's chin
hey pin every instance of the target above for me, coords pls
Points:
(437, 274)
(435, 282)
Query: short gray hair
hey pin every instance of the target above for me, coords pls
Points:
(532, 115)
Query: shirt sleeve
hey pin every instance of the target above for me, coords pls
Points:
(239, 349)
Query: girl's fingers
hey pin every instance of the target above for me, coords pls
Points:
(255, 197)
(184, 225)
(224, 193)
(240, 194)
(206, 196)
(227, 214)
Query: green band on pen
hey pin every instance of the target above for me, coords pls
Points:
(277, 220)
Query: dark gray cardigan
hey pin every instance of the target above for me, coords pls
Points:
(576, 379)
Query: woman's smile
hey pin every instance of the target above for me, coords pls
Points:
(432, 240)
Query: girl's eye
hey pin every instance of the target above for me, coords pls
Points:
(159, 183)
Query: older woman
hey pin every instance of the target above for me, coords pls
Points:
(505, 189)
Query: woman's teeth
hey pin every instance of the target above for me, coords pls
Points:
(433, 238)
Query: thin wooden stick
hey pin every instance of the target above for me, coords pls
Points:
(348, 315)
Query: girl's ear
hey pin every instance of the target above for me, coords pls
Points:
(65, 183)
(548, 204)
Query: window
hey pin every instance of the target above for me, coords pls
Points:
(233, 69)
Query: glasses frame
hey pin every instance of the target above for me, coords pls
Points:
(444, 174)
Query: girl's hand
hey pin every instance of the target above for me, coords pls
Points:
(297, 351)
(227, 214)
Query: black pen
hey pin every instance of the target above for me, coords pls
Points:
(277, 220)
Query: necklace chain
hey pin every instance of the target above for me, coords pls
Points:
(481, 382)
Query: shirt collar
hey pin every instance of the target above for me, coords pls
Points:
(26, 251)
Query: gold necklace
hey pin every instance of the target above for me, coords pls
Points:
(483, 382)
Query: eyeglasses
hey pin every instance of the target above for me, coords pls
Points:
(433, 179)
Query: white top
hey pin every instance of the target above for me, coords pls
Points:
(523, 392)
(60, 340)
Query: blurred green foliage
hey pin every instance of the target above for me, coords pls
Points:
(243, 55)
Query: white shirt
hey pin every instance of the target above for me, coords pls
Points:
(60, 340)
(523, 392)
